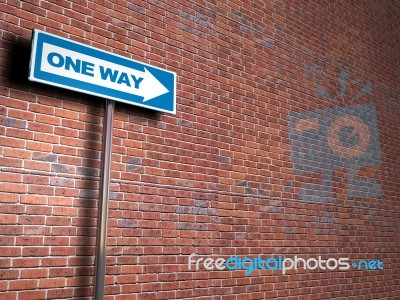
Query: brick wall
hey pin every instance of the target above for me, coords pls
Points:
(285, 142)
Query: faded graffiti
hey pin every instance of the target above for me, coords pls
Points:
(342, 137)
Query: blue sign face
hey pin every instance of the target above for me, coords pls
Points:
(60, 62)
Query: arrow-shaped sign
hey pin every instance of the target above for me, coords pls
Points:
(60, 62)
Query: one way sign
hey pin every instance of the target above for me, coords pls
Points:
(75, 66)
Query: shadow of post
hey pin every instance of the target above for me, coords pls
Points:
(86, 177)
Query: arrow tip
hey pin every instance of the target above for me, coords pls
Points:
(152, 87)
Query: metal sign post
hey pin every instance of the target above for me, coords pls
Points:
(101, 250)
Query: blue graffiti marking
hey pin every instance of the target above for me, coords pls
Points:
(325, 140)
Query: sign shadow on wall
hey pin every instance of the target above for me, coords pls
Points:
(62, 177)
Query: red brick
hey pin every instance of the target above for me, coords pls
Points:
(37, 165)
(11, 162)
(52, 283)
(39, 146)
(8, 219)
(35, 179)
(24, 154)
(59, 293)
(10, 177)
(8, 296)
(39, 127)
(35, 273)
(48, 119)
(46, 138)
(34, 295)
(3, 286)
(21, 114)
(29, 240)
(33, 199)
(8, 274)
(11, 142)
(31, 220)
(29, 284)
(54, 262)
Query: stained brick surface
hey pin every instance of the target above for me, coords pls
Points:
(250, 165)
